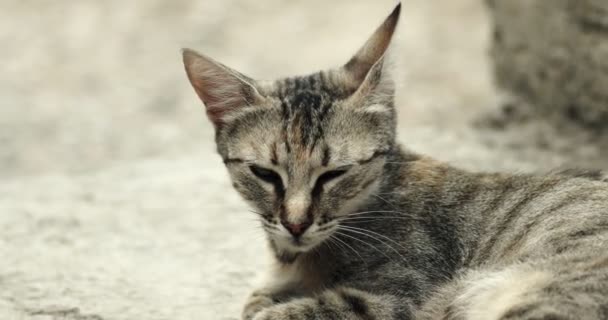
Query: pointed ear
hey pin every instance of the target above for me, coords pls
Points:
(222, 90)
(365, 68)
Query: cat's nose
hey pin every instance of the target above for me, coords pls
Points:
(296, 229)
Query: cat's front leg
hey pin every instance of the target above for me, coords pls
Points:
(257, 301)
(337, 304)
(267, 297)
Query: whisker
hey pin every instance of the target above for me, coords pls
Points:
(332, 244)
(261, 215)
(269, 225)
(397, 162)
(364, 242)
(271, 230)
(371, 217)
(257, 231)
(356, 230)
(257, 236)
(390, 193)
(378, 234)
(335, 237)
(375, 211)
(386, 201)
(400, 213)
(252, 219)
(374, 218)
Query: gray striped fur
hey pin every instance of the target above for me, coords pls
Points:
(396, 235)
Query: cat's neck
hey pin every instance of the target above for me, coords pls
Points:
(407, 172)
(415, 184)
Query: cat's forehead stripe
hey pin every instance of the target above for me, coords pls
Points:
(305, 101)
(274, 159)
(326, 156)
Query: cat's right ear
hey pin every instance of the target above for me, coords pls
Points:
(365, 70)
(223, 91)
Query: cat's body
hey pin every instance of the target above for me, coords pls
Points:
(452, 244)
(364, 229)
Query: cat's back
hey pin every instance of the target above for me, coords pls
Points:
(503, 218)
(527, 216)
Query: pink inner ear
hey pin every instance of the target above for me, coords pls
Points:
(208, 93)
(221, 89)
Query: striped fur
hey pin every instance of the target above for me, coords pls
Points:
(389, 234)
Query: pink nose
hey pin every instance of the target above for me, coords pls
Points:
(296, 229)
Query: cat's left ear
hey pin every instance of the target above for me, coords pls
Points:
(224, 91)
(365, 69)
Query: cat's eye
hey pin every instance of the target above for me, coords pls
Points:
(328, 176)
(267, 175)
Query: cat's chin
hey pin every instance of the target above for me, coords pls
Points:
(287, 251)
(294, 247)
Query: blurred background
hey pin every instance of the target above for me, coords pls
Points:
(89, 84)
(113, 203)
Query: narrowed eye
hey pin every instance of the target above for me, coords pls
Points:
(328, 176)
(267, 175)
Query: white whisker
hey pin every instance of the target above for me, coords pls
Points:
(378, 234)
(365, 242)
(348, 246)
(356, 230)
(386, 201)
(372, 218)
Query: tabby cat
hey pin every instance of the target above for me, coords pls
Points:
(362, 228)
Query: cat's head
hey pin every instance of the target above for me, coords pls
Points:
(303, 151)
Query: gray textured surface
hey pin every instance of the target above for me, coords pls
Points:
(554, 54)
(113, 204)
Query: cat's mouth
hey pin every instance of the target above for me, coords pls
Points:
(286, 245)
(300, 244)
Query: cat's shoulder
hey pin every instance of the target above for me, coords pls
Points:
(589, 174)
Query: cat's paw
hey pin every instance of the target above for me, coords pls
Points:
(296, 310)
(257, 302)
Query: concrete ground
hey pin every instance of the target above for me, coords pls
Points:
(113, 203)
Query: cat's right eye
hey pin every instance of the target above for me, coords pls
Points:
(330, 175)
(267, 175)
(327, 177)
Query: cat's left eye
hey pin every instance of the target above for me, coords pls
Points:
(267, 175)
(329, 175)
